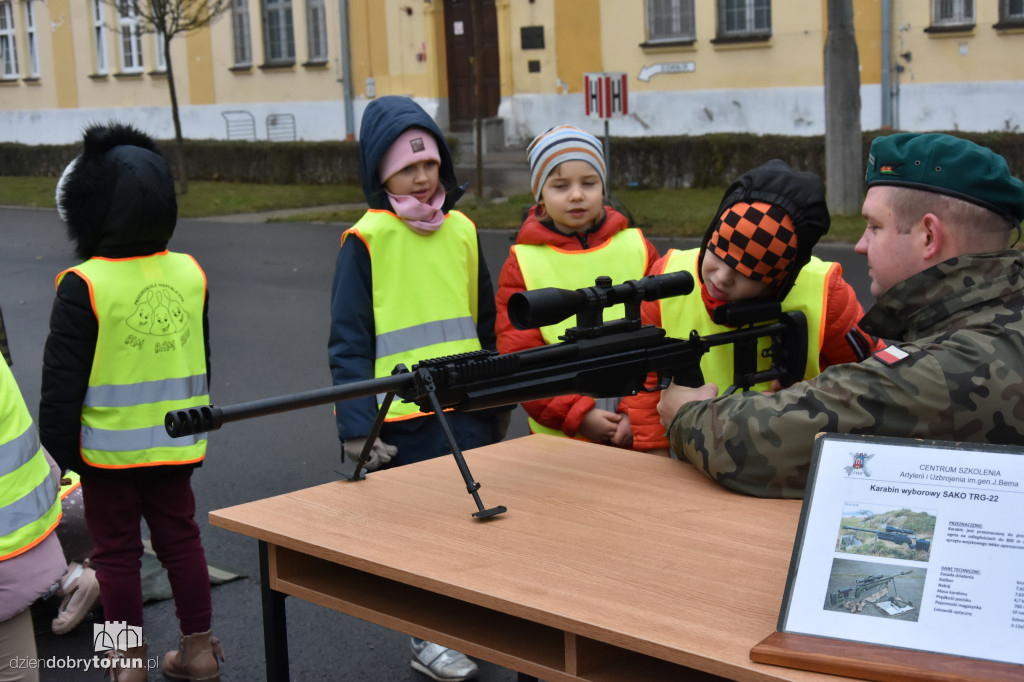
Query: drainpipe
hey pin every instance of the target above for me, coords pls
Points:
(346, 72)
(886, 64)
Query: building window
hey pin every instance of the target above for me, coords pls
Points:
(1011, 11)
(240, 32)
(1011, 14)
(8, 46)
(131, 39)
(32, 40)
(99, 31)
(278, 32)
(316, 30)
(670, 21)
(744, 18)
(160, 57)
(952, 13)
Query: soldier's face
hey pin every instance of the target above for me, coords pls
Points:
(891, 254)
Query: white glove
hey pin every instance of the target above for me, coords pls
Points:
(380, 454)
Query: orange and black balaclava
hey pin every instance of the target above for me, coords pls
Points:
(757, 240)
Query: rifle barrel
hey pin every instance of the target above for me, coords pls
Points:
(209, 418)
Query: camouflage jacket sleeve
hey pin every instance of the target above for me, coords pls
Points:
(761, 444)
(958, 376)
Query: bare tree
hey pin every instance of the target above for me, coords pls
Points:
(166, 19)
(844, 155)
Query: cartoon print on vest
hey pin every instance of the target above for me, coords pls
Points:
(142, 319)
(158, 311)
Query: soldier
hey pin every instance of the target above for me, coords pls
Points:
(950, 294)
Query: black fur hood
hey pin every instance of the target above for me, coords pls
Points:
(800, 193)
(117, 196)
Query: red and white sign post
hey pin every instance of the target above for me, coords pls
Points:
(606, 96)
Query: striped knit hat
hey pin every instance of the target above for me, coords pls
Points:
(558, 145)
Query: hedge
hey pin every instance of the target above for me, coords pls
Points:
(643, 162)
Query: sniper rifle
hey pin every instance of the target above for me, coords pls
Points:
(596, 358)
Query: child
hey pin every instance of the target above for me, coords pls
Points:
(570, 238)
(31, 558)
(78, 588)
(410, 284)
(759, 241)
(129, 341)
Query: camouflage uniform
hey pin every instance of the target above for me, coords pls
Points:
(962, 324)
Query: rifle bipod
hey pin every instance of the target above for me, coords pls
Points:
(425, 386)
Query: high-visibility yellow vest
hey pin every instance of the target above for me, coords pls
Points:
(623, 257)
(425, 292)
(682, 314)
(150, 358)
(28, 494)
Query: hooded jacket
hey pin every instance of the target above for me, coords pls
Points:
(352, 335)
(802, 196)
(117, 201)
(383, 121)
(562, 412)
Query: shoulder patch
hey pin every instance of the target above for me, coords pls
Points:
(890, 355)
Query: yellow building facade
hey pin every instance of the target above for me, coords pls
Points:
(305, 69)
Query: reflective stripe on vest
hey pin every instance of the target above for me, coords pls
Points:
(623, 257)
(150, 358)
(424, 292)
(29, 505)
(682, 314)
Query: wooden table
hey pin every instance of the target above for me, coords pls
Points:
(608, 565)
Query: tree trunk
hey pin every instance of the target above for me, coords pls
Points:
(178, 139)
(844, 155)
(478, 75)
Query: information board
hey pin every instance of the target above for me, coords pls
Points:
(913, 544)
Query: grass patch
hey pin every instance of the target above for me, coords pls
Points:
(662, 212)
(203, 198)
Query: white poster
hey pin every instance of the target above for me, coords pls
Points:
(912, 544)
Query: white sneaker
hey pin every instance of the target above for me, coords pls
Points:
(441, 663)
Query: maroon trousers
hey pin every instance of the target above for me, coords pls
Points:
(114, 509)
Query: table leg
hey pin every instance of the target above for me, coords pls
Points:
(275, 627)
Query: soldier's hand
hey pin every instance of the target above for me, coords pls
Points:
(380, 453)
(675, 396)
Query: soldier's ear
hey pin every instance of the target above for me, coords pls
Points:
(934, 238)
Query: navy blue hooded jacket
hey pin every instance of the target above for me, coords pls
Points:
(352, 338)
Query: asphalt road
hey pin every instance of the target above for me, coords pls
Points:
(269, 311)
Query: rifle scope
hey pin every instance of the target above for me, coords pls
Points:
(550, 305)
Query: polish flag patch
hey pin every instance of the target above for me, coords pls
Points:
(890, 355)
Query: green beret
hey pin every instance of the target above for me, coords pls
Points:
(942, 163)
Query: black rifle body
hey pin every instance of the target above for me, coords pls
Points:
(614, 364)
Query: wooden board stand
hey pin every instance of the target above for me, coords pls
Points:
(874, 662)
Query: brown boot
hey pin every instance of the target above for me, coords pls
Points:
(129, 665)
(195, 659)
